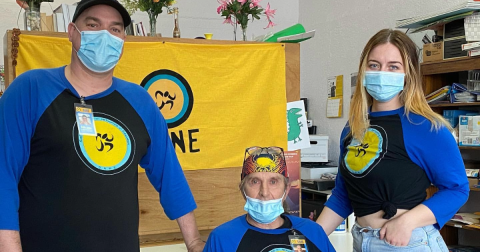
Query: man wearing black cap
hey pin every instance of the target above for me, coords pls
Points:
(74, 189)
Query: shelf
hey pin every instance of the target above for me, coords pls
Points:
(469, 147)
(326, 192)
(459, 225)
(450, 66)
(457, 104)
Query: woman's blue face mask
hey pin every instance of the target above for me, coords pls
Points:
(383, 86)
(99, 50)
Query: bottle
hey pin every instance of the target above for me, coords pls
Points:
(341, 228)
(176, 29)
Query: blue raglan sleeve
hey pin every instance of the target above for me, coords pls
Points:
(314, 233)
(438, 154)
(226, 237)
(160, 163)
(214, 243)
(339, 201)
(320, 239)
(16, 129)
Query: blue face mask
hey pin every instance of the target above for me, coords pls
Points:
(264, 212)
(383, 86)
(99, 50)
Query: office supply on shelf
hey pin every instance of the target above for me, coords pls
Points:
(297, 37)
(415, 22)
(459, 93)
(439, 23)
(466, 218)
(318, 151)
(312, 171)
(318, 184)
(439, 94)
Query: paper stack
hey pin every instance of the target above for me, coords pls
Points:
(415, 22)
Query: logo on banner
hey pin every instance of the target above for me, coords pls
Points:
(111, 151)
(174, 98)
(172, 94)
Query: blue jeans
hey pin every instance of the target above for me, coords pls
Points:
(423, 239)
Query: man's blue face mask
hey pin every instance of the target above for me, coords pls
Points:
(99, 50)
(264, 212)
(383, 86)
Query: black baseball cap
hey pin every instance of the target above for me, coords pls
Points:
(85, 4)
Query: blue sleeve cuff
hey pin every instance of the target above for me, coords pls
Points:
(338, 206)
(9, 210)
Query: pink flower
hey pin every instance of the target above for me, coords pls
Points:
(255, 3)
(242, 1)
(223, 5)
(269, 13)
(228, 20)
(270, 24)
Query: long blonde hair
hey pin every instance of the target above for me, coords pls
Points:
(412, 96)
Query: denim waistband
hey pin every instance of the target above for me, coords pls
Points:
(366, 230)
(376, 231)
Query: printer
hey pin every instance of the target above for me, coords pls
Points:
(314, 159)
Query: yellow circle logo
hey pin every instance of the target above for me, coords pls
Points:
(362, 155)
(108, 148)
(110, 151)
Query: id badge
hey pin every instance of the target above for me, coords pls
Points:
(85, 121)
(298, 243)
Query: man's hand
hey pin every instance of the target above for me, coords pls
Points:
(396, 232)
(191, 236)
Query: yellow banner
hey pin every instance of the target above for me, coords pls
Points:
(217, 99)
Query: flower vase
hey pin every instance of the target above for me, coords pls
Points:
(32, 18)
(153, 24)
(244, 33)
(235, 32)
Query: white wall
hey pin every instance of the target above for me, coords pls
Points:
(196, 18)
(342, 30)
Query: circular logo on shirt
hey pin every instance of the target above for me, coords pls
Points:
(110, 151)
(363, 156)
(172, 94)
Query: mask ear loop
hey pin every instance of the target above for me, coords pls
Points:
(80, 36)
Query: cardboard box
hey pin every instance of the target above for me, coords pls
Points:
(318, 151)
(469, 131)
(433, 52)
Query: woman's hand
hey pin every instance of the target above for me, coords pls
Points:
(397, 232)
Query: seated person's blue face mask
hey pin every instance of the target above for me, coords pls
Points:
(383, 86)
(264, 212)
(99, 50)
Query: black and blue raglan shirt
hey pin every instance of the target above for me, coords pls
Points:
(238, 235)
(398, 159)
(68, 192)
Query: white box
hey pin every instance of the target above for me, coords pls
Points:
(318, 151)
(469, 131)
(316, 172)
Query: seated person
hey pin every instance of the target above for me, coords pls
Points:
(266, 227)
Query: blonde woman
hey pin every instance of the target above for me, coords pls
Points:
(392, 149)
